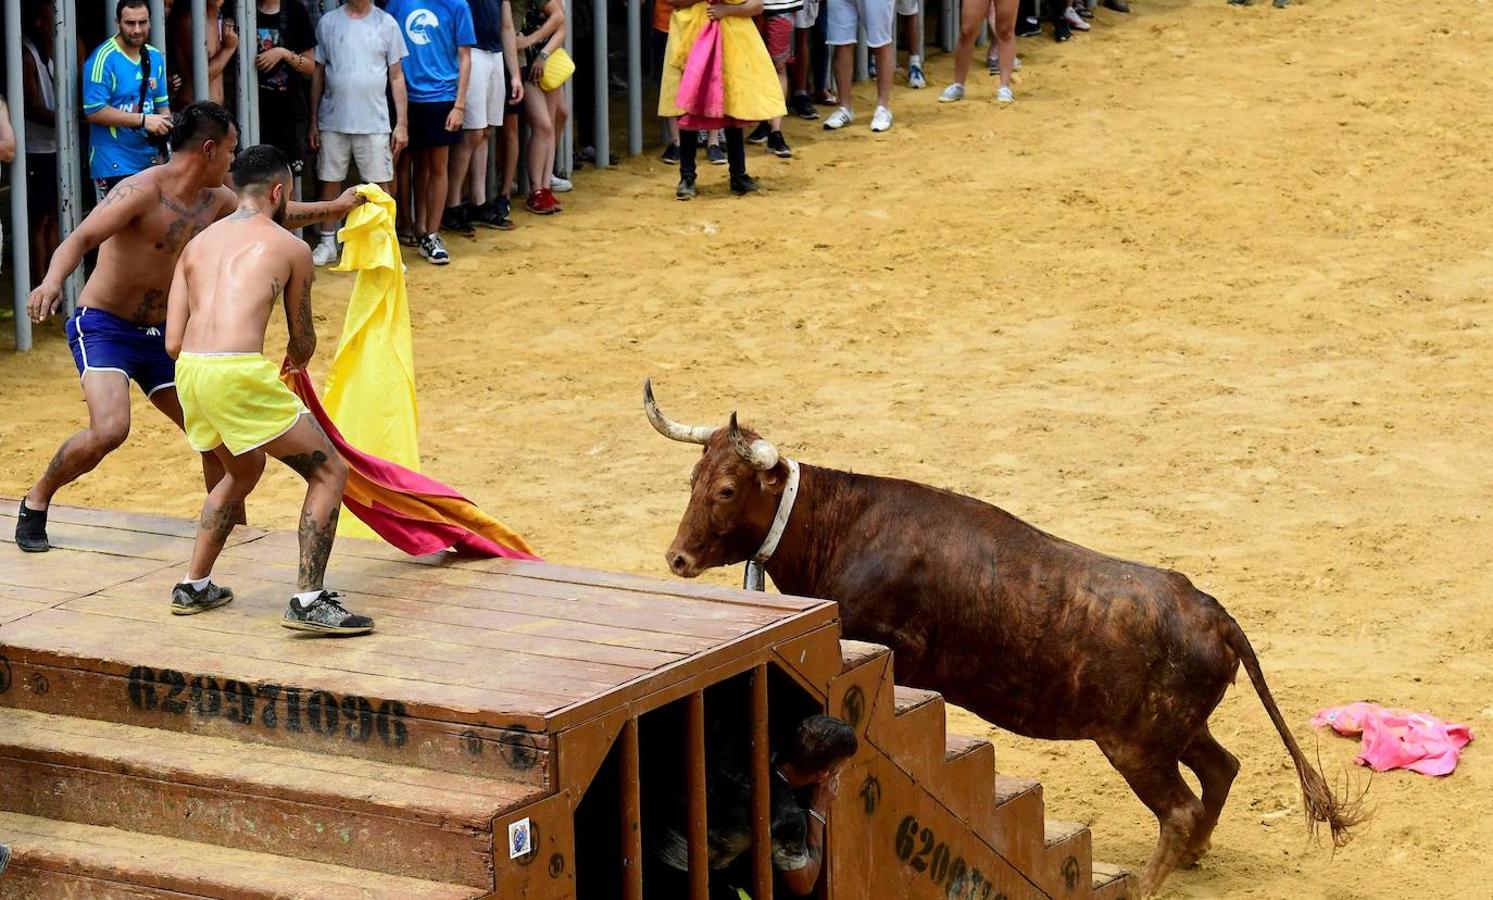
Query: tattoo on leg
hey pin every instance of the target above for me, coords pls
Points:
(218, 521)
(305, 464)
(316, 547)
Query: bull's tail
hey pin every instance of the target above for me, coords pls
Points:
(1322, 807)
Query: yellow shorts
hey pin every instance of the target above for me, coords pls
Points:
(234, 399)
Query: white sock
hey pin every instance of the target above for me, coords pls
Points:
(305, 599)
(914, 61)
(197, 584)
(329, 237)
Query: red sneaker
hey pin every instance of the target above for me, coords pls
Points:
(542, 202)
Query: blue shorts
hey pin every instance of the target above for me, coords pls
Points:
(103, 342)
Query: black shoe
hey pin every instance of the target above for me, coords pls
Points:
(188, 601)
(800, 105)
(743, 184)
(759, 134)
(456, 219)
(716, 155)
(1061, 31)
(671, 155)
(778, 146)
(325, 615)
(31, 530)
(686, 189)
(488, 216)
(1083, 10)
(1028, 27)
(1119, 6)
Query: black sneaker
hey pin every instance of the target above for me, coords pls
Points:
(759, 134)
(487, 216)
(457, 219)
(1061, 31)
(778, 146)
(803, 107)
(743, 184)
(686, 189)
(1028, 27)
(716, 155)
(188, 601)
(433, 249)
(671, 155)
(325, 615)
(31, 530)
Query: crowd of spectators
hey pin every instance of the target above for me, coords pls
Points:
(428, 97)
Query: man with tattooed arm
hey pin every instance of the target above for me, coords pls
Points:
(224, 291)
(116, 336)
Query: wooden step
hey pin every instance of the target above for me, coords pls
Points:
(854, 654)
(856, 693)
(915, 733)
(1110, 882)
(1015, 824)
(398, 820)
(967, 777)
(1065, 871)
(66, 859)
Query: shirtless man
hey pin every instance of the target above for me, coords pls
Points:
(140, 229)
(224, 291)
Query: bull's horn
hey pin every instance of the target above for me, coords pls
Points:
(759, 453)
(689, 434)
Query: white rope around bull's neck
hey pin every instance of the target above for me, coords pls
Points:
(756, 579)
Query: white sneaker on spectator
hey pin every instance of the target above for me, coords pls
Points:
(325, 253)
(560, 185)
(838, 119)
(915, 78)
(1004, 95)
(952, 94)
(1071, 16)
(881, 120)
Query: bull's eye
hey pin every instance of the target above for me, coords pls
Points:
(725, 493)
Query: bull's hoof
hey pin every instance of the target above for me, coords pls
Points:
(1193, 856)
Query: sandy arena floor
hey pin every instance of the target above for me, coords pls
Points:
(1214, 294)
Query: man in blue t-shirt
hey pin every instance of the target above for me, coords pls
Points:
(440, 36)
(124, 99)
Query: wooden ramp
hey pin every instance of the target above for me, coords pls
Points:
(221, 755)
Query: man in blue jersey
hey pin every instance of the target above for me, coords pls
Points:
(118, 333)
(440, 35)
(124, 100)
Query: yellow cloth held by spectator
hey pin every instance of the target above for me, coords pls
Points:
(370, 388)
(753, 92)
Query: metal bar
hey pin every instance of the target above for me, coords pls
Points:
(70, 181)
(862, 59)
(761, 790)
(111, 24)
(20, 224)
(199, 49)
(248, 79)
(950, 20)
(632, 815)
(699, 858)
(157, 24)
(600, 124)
(565, 141)
(634, 77)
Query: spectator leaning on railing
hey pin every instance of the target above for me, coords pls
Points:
(124, 100)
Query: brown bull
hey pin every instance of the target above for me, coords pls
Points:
(1030, 632)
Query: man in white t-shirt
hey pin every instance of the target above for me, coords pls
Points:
(358, 53)
(845, 19)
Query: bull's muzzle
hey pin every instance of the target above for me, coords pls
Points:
(681, 563)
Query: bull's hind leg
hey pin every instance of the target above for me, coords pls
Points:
(1158, 783)
(1215, 768)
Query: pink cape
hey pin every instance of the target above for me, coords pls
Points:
(1398, 738)
(702, 87)
(414, 513)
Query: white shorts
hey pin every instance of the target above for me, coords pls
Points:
(846, 15)
(908, 7)
(486, 91)
(807, 14)
(374, 156)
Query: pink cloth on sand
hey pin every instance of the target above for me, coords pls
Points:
(1399, 738)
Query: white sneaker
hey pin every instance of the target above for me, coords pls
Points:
(838, 119)
(952, 94)
(1071, 16)
(915, 78)
(1004, 95)
(325, 253)
(560, 185)
(881, 120)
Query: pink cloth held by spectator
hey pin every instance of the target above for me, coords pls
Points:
(1399, 738)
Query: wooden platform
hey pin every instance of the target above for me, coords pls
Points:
(220, 755)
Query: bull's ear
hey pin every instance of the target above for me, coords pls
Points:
(774, 479)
